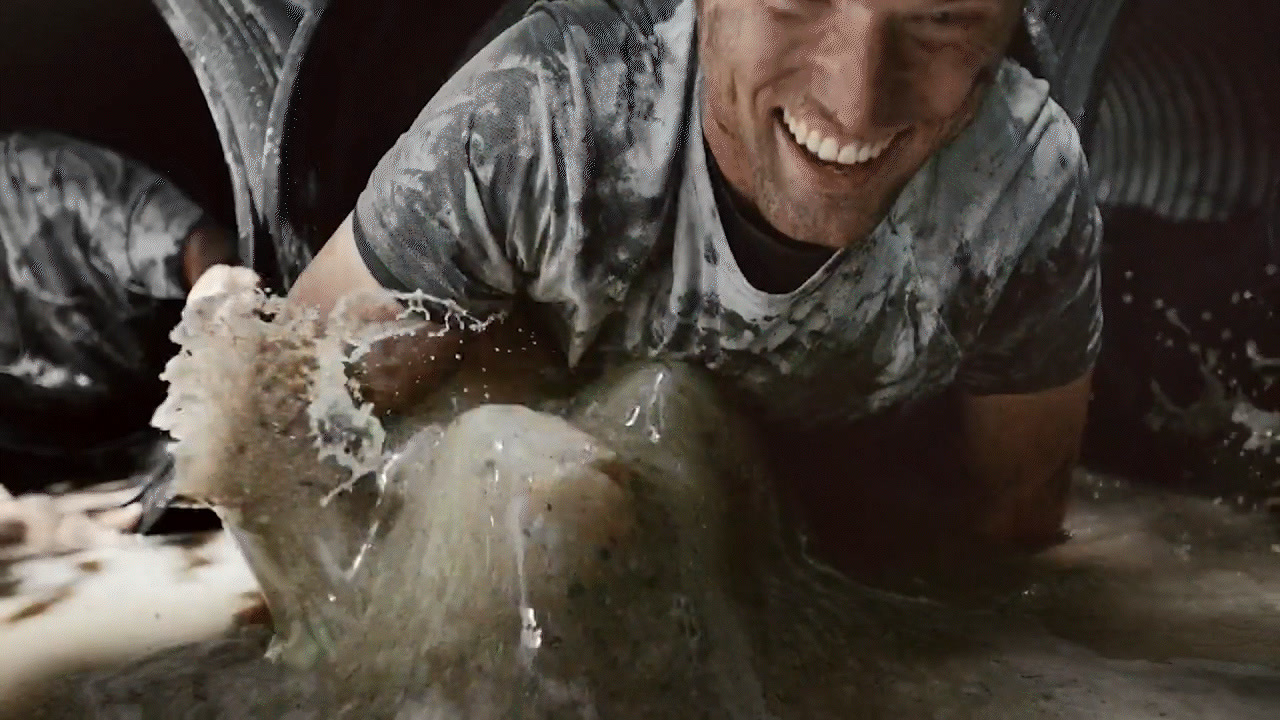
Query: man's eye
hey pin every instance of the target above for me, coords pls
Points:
(947, 26)
(952, 18)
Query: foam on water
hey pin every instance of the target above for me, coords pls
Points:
(622, 557)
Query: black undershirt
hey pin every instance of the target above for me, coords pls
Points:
(770, 261)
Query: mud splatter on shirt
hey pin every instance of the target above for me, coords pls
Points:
(565, 164)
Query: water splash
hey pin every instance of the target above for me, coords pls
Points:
(625, 558)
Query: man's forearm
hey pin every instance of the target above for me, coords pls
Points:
(402, 370)
(1021, 452)
(1025, 511)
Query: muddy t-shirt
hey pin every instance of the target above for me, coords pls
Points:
(92, 250)
(565, 164)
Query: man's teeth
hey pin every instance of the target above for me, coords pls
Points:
(828, 149)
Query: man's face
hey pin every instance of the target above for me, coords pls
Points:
(819, 111)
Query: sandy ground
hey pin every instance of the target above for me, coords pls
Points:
(106, 600)
(176, 599)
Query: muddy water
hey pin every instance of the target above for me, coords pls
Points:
(623, 558)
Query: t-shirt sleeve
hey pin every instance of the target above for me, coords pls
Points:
(132, 221)
(1046, 328)
(461, 206)
(160, 220)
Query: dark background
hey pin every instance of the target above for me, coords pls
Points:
(109, 71)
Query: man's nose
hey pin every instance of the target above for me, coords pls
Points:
(857, 81)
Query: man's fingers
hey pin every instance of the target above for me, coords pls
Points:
(223, 291)
(40, 524)
(223, 279)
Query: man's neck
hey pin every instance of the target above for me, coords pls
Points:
(747, 213)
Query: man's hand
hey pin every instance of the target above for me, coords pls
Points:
(154, 487)
(222, 279)
(215, 290)
(206, 247)
(1022, 451)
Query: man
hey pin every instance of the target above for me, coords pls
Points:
(840, 208)
(99, 253)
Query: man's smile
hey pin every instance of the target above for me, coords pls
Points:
(830, 156)
(828, 147)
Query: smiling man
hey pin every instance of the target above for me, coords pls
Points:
(839, 207)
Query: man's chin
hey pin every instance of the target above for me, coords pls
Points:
(800, 220)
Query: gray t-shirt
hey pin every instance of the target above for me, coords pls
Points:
(92, 247)
(565, 164)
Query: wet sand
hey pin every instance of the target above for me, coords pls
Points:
(1148, 577)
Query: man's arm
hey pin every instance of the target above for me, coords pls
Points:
(1021, 451)
(463, 208)
(399, 371)
(1026, 381)
(337, 271)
